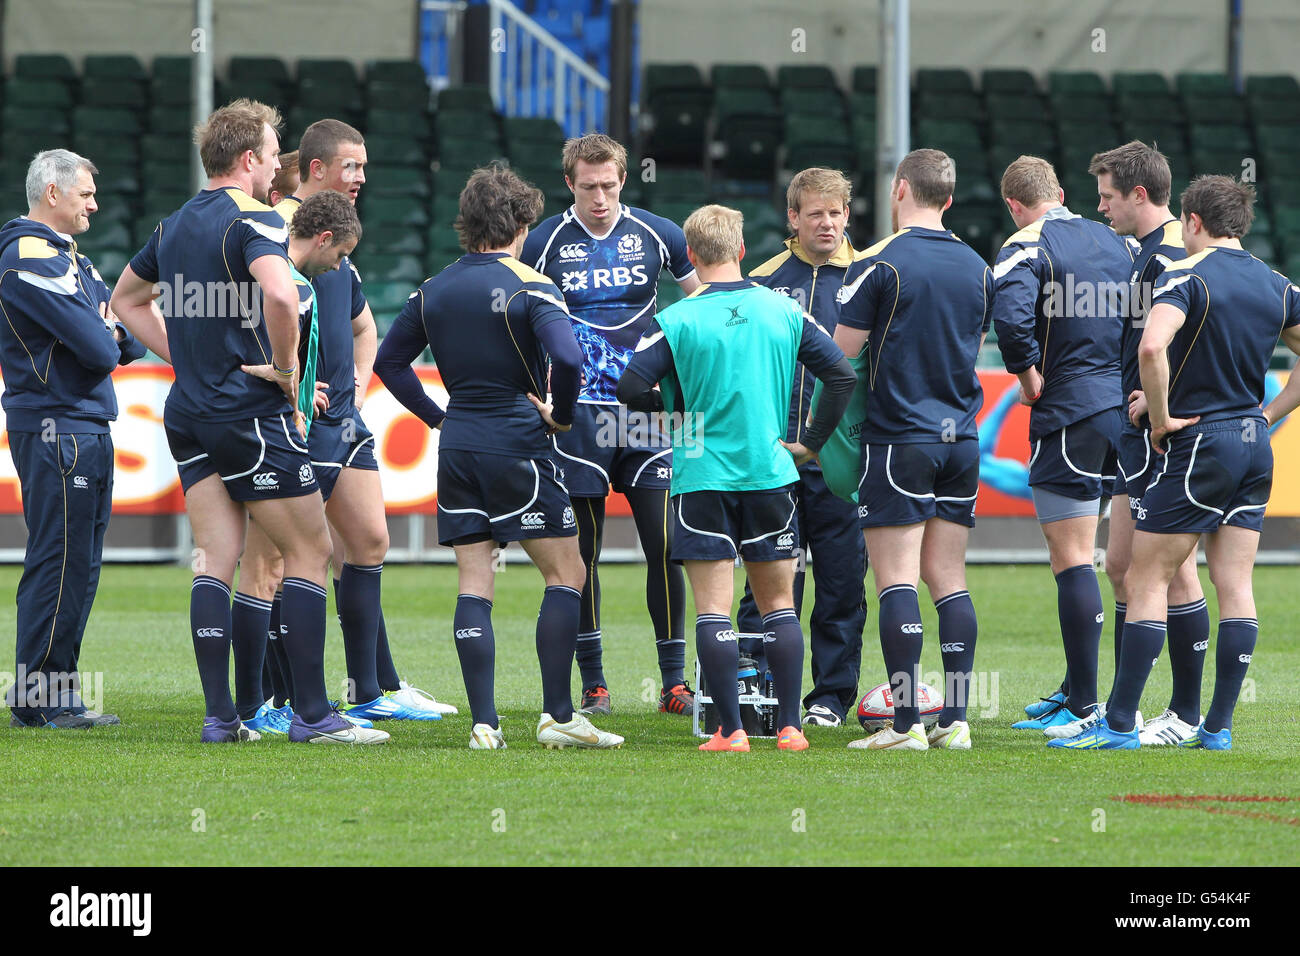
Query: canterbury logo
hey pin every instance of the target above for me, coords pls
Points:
(1101, 617)
(951, 648)
(1201, 646)
(80, 481)
(533, 519)
(911, 628)
(574, 250)
(785, 541)
(464, 632)
(210, 632)
(267, 479)
(723, 636)
(1243, 658)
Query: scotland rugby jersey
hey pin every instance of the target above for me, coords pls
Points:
(609, 284)
(199, 258)
(1060, 299)
(339, 300)
(926, 298)
(489, 354)
(1155, 251)
(1236, 307)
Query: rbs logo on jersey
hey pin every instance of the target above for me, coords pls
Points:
(604, 278)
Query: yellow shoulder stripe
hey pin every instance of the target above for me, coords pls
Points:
(286, 207)
(1173, 234)
(524, 272)
(878, 247)
(245, 202)
(1189, 262)
(34, 247)
(1028, 234)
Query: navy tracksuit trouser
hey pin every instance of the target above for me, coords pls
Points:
(67, 487)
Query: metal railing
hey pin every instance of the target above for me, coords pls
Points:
(440, 25)
(534, 74)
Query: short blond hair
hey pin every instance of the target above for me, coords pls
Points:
(818, 181)
(231, 131)
(715, 234)
(1031, 180)
(596, 149)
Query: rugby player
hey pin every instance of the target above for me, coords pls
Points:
(811, 271)
(1060, 294)
(490, 322)
(726, 355)
(921, 301)
(231, 432)
(332, 156)
(606, 258)
(1133, 183)
(1215, 318)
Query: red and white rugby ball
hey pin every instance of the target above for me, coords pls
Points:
(876, 708)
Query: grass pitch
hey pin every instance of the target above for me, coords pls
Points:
(148, 793)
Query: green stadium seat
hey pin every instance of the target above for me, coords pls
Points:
(974, 187)
(106, 121)
(1281, 86)
(1213, 109)
(168, 91)
(1015, 82)
(1149, 106)
(806, 77)
(1260, 245)
(44, 66)
(674, 125)
(398, 96)
(467, 124)
(1071, 108)
(337, 71)
(1140, 84)
(101, 148)
(408, 72)
(118, 177)
(862, 129)
(173, 69)
(1278, 137)
(948, 135)
(386, 298)
(1088, 135)
(257, 89)
(534, 132)
(161, 172)
(21, 145)
(669, 76)
(1291, 266)
(1226, 162)
(944, 81)
(38, 93)
(1166, 137)
(814, 101)
(30, 119)
(393, 210)
(326, 96)
(382, 239)
(1284, 192)
(409, 269)
(125, 94)
(748, 146)
(1191, 85)
(1221, 136)
(977, 226)
(113, 67)
(460, 151)
(1280, 164)
(1033, 137)
(113, 208)
(1076, 83)
(263, 69)
(467, 99)
(1016, 106)
(1271, 111)
(396, 151)
(806, 154)
(689, 185)
(396, 123)
(948, 105)
(388, 180)
(730, 102)
(863, 104)
(865, 79)
(750, 75)
(760, 215)
(106, 234)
